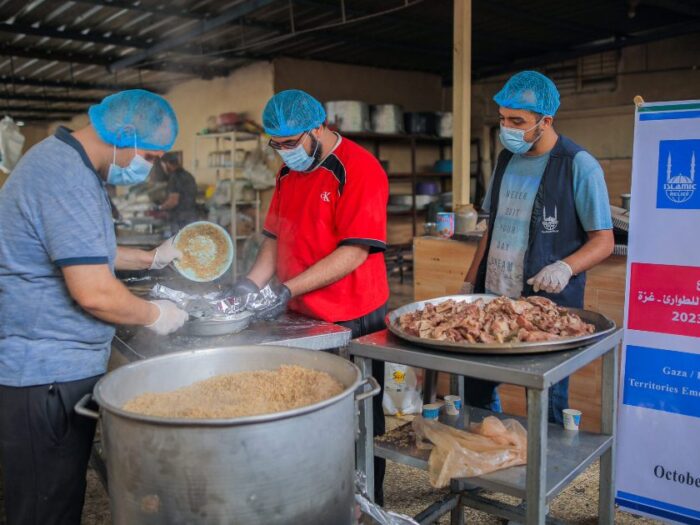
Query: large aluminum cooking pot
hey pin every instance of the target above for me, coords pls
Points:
(283, 468)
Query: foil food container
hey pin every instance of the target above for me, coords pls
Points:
(216, 313)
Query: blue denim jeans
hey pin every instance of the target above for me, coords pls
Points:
(483, 394)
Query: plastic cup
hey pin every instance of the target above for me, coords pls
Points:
(572, 418)
(453, 404)
(431, 411)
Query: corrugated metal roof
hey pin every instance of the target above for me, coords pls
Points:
(56, 56)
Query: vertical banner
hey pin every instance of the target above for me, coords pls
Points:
(658, 447)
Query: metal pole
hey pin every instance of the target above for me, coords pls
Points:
(234, 206)
(457, 514)
(430, 379)
(438, 509)
(461, 103)
(608, 424)
(457, 386)
(414, 183)
(364, 449)
(536, 480)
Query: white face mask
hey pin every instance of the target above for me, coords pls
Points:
(514, 139)
(135, 173)
(297, 159)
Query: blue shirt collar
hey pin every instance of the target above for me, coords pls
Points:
(65, 135)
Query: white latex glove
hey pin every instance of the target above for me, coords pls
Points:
(169, 319)
(552, 278)
(165, 254)
(467, 288)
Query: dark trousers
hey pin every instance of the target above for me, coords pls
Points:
(44, 451)
(483, 394)
(367, 324)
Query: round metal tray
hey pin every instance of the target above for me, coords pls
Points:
(603, 326)
(202, 244)
(223, 326)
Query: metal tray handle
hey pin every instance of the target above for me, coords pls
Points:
(82, 409)
(376, 388)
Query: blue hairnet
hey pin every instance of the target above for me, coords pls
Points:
(291, 112)
(529, 90)
(135, 116)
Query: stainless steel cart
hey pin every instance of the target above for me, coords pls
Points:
(555, 456)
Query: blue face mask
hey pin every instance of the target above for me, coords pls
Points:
(514, 139)
(135, 173)
(297, 159)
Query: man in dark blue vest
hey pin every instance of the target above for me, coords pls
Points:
(549, 216)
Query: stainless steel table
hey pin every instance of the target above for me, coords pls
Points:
(134, 343)
(139, 240)
(555, 456)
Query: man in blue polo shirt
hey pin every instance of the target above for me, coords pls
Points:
(59, 297)
(549, 216)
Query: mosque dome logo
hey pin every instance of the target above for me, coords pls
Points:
(679, 188)
(551, 223)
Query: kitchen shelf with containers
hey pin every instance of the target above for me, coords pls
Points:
(420, 174)
(235, 204)
(414, 149)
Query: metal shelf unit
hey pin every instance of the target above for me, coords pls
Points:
(414, 175)
(412, 141)
(554, 456)
(230, 143)
(568, 454)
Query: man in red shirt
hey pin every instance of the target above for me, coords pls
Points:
(326, 229)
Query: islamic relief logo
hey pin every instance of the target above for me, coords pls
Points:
(550, 224)
(676, 186)
(679, 188)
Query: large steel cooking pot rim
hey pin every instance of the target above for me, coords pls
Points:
(247, 420)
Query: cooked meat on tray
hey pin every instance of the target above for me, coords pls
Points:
(503, 320)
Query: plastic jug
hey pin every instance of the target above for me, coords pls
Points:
(465, 220)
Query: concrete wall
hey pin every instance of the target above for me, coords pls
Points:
(33, 134)
(246, 90)
(326, 81)
(413, 91)
(603, 121)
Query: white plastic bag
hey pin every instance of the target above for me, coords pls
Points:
(402, 390)
(257, 170)
(371, 512)
(491, 445)
(11, 142)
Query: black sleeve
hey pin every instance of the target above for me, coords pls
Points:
(375, 246)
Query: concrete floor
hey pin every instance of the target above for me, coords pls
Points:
(408, 490)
